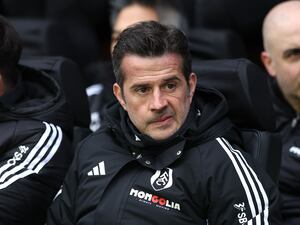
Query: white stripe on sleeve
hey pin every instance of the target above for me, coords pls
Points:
(250, 174)
(261, 188)
(38, 157)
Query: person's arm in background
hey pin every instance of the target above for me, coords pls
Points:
(32, 168)
(241, 192)
(62, 209)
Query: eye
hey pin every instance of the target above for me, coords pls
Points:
(142, 90)
(292, 54)
(170, 86)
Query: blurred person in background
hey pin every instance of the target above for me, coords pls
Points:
(281, 57)
(127, 12)
(35, 134)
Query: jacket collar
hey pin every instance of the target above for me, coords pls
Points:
(284, 112)
(206, 120)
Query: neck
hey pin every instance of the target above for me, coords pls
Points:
(294, 103)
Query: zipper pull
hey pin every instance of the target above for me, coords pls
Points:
(295, 120)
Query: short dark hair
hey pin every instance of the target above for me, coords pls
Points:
(10, 51)
(148, 39)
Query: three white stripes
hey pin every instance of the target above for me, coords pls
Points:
(38, 157)
(238, 159)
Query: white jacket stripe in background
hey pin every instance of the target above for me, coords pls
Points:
(240, 165)
(36, 159)
(261, 188)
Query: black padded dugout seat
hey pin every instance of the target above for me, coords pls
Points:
(215, 44)
(67, 73)
(73, 39)
(34, 34)
(245, 87)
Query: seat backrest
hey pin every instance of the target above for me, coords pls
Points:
(34, 34)
(246, 90)
(215, 44)
(68, 75)
(245, 87)
(265, 147)
(51, 37)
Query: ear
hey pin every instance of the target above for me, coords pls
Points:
(118, 93)
(268, 63)
(193, 84)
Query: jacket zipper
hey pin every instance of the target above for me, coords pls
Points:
(295, 120)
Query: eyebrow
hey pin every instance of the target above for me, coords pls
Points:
(289, 52)
(173, 78)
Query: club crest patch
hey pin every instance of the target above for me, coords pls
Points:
(162, 179)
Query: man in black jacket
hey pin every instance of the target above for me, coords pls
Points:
(123, 14)
(281, 33)
(34, 148)
(165, 154)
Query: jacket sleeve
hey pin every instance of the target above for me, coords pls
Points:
(31, 172)
(61, 212)
(241, 194)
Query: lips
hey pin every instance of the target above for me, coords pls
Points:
(162, 119)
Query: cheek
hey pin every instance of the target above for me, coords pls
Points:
(181, 105)
(134, 103)
(136, 109)
(138, 116)
(291, 76)
(285, 73)
(289, 71)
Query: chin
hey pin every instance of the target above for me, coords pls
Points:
(160, 136)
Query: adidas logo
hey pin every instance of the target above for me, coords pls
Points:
(98, 170)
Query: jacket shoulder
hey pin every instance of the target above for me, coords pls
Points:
(218, 151)
(99, 142)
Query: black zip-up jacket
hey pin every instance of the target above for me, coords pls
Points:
(122, 177)
(288, 124)
(34, 148)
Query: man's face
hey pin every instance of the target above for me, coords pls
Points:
(130, 15)
(284, 63)
(155, 93)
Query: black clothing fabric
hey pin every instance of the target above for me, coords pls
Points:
(243, 17)
(289, 178)
(34, 147)
(120, 176)
(100, 79)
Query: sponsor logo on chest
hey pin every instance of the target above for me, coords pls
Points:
(158, 201)
(160, 180)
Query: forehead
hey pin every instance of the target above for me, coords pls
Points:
(286, 41)
(285, 33)
(149, 68)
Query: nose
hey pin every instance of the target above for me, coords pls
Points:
(157, 101)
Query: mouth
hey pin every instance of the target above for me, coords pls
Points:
(162, 120)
